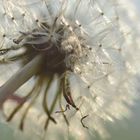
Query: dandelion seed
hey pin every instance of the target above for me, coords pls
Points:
(82, 121)
(65, 53)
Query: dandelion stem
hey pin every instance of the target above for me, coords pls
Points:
(44, 103)
(20, 77)
(38, 90)
(22, 103)
(53, 105)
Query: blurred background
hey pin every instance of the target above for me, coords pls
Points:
(128, 129)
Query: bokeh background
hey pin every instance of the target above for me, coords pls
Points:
(128, 129)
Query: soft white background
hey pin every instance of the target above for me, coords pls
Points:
(128, 130)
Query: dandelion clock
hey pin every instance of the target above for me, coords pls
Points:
(67, 67)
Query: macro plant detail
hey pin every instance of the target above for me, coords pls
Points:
(69, 60)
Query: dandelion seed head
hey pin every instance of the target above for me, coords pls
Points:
(84, 52)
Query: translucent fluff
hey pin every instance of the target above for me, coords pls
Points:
(78, 55)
